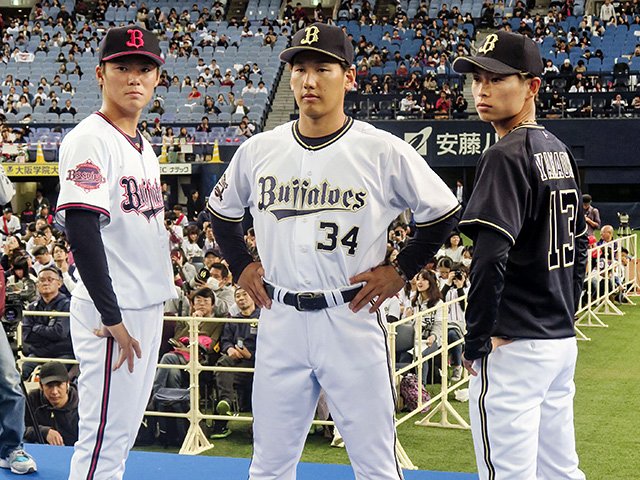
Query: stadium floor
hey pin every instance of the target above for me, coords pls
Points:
(53, 464)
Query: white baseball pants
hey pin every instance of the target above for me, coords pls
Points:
(112, 403)
(521, 408)
(345, 354)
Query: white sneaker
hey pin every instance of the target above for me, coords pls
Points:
(456, 375)
(337, 439)
(19, 462)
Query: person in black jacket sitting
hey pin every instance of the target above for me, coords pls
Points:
(238, 347)
(55, 406)
(47, 336)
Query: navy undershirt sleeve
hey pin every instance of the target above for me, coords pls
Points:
(230, 237)
(424, 245)
(490, 253)
(83, 232)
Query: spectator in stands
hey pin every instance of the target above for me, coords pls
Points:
(190, 245)
(427, 296)
(460, 107)
(203, 306)
(262, 88)
(70, 276)
(452, 248)
(194, 94)
(11, 247)
(203, 127)
(209, 106)
(240, 107)
(608, 13)
(43, 212)
(10, 224)
(43, 258)
(243, 130)
(67, 88)
(68, 108)
(220, 282)
(238, 348)
(443, 105)
(168, 136)
(550, 69)
(55, 407)
(54, 107)
(157, 107)
(456, 287)
(195, 205)
(45, 336)
(184, 136)
(591, 214)
(619, 104)
(20, 279)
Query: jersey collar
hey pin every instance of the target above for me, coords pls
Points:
(139, 148)
(321, 142)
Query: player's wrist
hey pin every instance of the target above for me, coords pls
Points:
(399, 271)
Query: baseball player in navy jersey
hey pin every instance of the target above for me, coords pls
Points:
(528, 267)
(322, 191)
(111, 206)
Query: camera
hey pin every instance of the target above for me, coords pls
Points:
(12, 317)
(623, 218)
(458, 275)
(204, 274)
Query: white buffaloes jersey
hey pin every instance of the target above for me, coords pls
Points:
(321, 213)
(101, 170)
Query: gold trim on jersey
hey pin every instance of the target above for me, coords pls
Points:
(485, 222)
(222, 217)
(534, 126)
(440, 219)
(484, 430)
(344, 129)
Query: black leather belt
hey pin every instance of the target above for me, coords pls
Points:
(306, 301)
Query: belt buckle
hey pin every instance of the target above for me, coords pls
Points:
(307, 298)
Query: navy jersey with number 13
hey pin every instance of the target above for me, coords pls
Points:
(536, 171)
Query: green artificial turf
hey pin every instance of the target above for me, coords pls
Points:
(607, 415)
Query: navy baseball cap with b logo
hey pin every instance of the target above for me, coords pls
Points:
(130, 40)
(323, 38)
(505, 53)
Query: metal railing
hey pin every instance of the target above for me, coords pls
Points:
(597, 301)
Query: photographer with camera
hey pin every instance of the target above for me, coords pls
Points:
(455, 287)
(591, 214)
(12, 401)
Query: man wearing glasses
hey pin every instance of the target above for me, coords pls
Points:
(47, 336)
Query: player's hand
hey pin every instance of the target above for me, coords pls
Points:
(233, 353)
(251, 281)
(468, 365)
(380, 283)
(54, 438)
(129, 346)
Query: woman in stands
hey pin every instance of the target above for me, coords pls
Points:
(67, 88)
(427, 297)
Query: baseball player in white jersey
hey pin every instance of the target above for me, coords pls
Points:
(322, 191)
(111, 206)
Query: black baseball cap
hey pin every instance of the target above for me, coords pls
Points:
(505, 53)
(323, 38)
(53, 372)
(130, 40)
